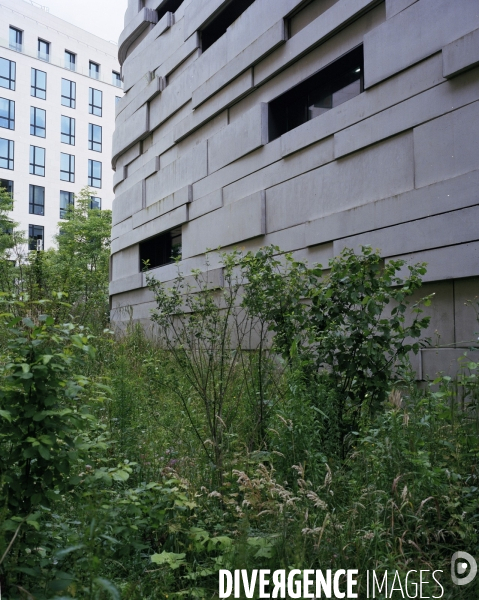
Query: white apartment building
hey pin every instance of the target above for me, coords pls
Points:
(58, 88)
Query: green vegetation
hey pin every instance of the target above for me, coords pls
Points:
(273, 422)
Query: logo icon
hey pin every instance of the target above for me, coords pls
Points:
(460, 563)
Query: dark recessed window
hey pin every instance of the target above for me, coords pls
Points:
(160, 250)
(94, 137)
(95, 202)
(218, 26)
(43, 50)
(70, 61)
(7, 73)
(68, 130)
(37, 200)
(7, 148)
(96, 102)
(67, 167)
(38, 118)
(16, 39)
(330, 87)
(67, 200)
(69, 93)
(38, 88)
(94, 173)
(7, 113)
(7, 186)
(94, 70)
(36, 234)
(37, 161)
(169, 6)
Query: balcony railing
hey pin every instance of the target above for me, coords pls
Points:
(16, 47)
(45, 56)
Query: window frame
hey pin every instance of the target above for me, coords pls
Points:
(69, 63)
(34, 165)
(9, 158)
(34, 87)
(91, 141)
(67, 137)
(47, 53)
(33, 113)
(91, 177)
(161, 248)
(32, 200)
(92, 105)
(92, 201)
(33, 237)
(16, 46)
(95, 74)
(73, 94)
(70, 202)
(9, 188)
(11, 79)
(69, 176)
(10, 120)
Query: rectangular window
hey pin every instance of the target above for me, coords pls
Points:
(7, 148)
(94, 173)
(69, 93)
(68, 130)
(37, 161)
(94, 137)
(7, 186)
(95, 202)
(330, 87)
(218, 26)
(169, 6)
(7, 113)
(39, 84)
(43, 50)
(70, 61)
(116, 79)
(7, 73)
(67, 167)
(37, 200)
(96, 102)
(67, 199)
(16, 39)
(160, 250)
(38, 119)
(36, 234)
(94, 70)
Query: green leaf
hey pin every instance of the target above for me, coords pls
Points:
(107, 586)
(6, 415)
(62, 553)
(174, 561)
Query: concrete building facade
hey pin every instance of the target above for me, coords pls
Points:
(312, 125)
(58, 85)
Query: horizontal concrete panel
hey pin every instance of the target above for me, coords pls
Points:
(379, 172)
(130, 298)
(128, 203)
(466, 293)
(163, 206)
(125, 263)
(206, 204)
(143, 20)
(442, 197)
(134, 130)
(126, 283)
(461, 55)
(445, 361)
(252, 54)
(118, 176)
(164, 223)
(122, 228)
(184, 171)
(152, 90)
(337, 17)
(419, 78)
(448, 146)
(405, 39)
(432, 232)
(230, 94)
(231, 224)
(410, 113)
(241, 137)
(393, 7)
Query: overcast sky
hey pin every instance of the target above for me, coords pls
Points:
(101, 17)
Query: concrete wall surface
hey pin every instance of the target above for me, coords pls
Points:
(395, 166)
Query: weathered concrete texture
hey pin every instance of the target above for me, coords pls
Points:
(396, 166)
(234, 223)
(143, 20)
(429, 25)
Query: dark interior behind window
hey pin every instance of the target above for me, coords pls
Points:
(218, 26)
(160, 250)
(338, 82)
(169, 6)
